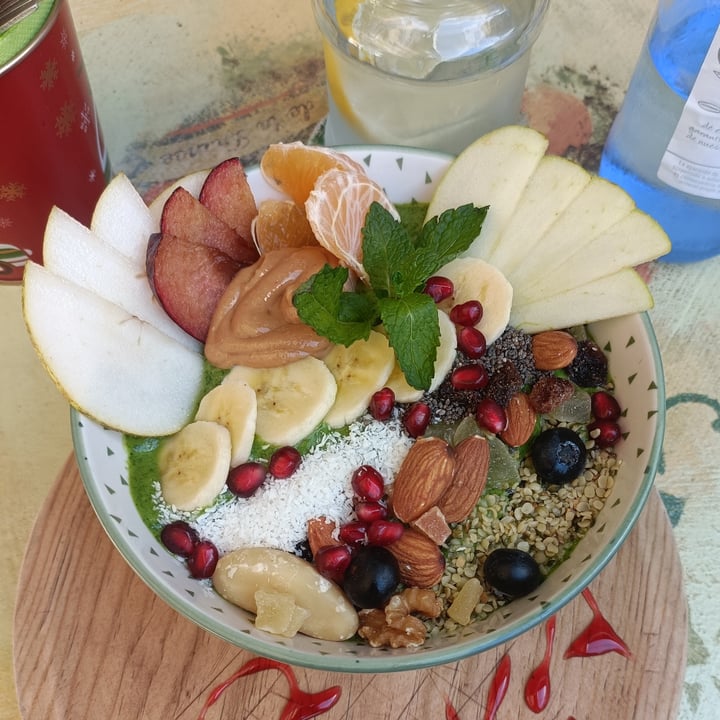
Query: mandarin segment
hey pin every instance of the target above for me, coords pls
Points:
(281, 224)
(336, 210)
(294, 167)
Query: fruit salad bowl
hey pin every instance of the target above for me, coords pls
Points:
(635, 367)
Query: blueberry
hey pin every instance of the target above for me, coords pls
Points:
(512, 572)
(371, 577)
(558, 455)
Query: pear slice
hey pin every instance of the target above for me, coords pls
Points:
(633, 240)
(493, 171)
(553, 186)
(75, 253)
(111, 366)
(122, 219)
(192, 183)
(598, 207)
(621, 293)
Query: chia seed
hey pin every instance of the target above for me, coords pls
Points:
(516, 346)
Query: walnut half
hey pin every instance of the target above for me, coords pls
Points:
(395, 626)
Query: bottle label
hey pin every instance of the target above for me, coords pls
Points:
(691, 162)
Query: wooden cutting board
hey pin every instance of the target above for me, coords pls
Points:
(92, 641)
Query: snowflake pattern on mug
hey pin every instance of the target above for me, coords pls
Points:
(49, 75)
(64, 120)
(85, 117)
(12, 191)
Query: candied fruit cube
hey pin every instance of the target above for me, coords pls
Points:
(277, 613)
(465, 601)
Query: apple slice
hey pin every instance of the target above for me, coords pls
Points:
(598, 207)
(227, 193)
(122, 219)
(75, 253)
(185, 217)
(192, 183)
(110, 365)
(188, 278)
(633, 240)
(555, 183)
(621, 293)
(493, 171)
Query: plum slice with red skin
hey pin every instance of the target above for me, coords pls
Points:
(188, 279)
(227, 193)
(185, 217)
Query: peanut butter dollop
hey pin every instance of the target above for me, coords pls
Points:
(255, 322)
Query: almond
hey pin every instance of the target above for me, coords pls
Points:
(425, 474)
(553, 349)
(420, 561)
(521, 421)
(320, 533)
(471, 471)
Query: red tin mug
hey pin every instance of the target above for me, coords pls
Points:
(51, 146)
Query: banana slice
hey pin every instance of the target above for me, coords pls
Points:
(233, 405)
(292, 399)
(194, 465)
(475, 279)
(446, 351)
(359, 371)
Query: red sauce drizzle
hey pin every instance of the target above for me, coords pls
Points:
(450, 711)
(300, 705)
(598, 637)
(537, 688)
(498, 688)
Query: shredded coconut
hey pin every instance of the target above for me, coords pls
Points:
(277, 514)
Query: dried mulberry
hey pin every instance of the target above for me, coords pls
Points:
(590, 366)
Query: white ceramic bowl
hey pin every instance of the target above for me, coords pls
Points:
(635, 366)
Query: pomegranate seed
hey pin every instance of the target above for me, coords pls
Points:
(382, 403)
(604, 406)
(203, 560)
(332, 561)
(384, 532)
(368, 483)
(417, 419)
(491, 416)
(179, 538)
(353, 532)
(469, 377)
(245, 479)
(439, 288)
(369, 511)
(608, 435)
(472, 342)
(467, 313)
(284, 462)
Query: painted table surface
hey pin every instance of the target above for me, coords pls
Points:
(180, 85)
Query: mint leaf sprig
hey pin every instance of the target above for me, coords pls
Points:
(398, 263)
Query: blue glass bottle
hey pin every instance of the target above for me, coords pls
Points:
(664, 145)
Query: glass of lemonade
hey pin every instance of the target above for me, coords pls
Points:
(425, 73)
